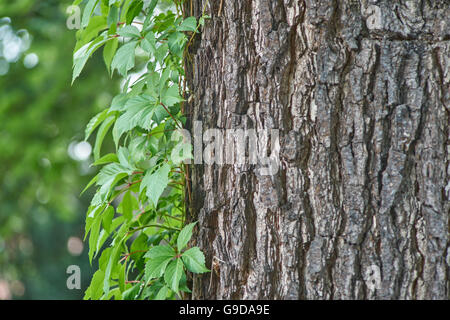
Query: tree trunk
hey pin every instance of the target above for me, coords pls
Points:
(360, 92)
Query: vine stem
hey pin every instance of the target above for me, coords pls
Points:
(179, 126)
(186, 166)
(198, 25)
(220, 8)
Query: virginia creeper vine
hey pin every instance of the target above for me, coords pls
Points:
(135, 221)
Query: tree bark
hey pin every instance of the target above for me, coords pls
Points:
(360, 92)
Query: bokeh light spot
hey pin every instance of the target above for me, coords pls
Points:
(75, 246)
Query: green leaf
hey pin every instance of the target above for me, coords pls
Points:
(108, 216)
(183, 284)
(189, 24)
(124, 157)
(127, 206)
(162, 293)
(163, 80)
(161, 53)
(104, 259)
(94, 180)
(118, 102)
(159, 258)
(96, 25)
(122, 274)
(108, 158)
(101, 241)
(93, 236)
(148, 44)
(129, 31)
(114, 2)
(131, 293)
(134, 10)
(109, 176)
(194, 260)
(151, 7)
(95, 290)
(124, 59)
(109, 51)
(173, 273)
(138, 249)
(138, 112)
(113, 15)
(176, 42)
(102, 131)
(110, 171)
(112, 261)
(87, 13)
(160, 251)
(171, 96)
(202, 19)
(82, 55)
(156, 182)
(94, 123)
(92, 213)
(185, 235)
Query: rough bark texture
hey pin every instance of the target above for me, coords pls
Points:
(360, 91)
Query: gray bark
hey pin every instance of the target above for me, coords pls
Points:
(360, 91)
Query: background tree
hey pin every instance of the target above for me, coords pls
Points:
(360, 93)
(40, 116)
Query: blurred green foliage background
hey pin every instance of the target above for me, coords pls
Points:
(43, 166)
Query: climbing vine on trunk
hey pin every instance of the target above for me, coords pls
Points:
(135, 221)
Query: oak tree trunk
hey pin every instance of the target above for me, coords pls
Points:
(360, 91)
